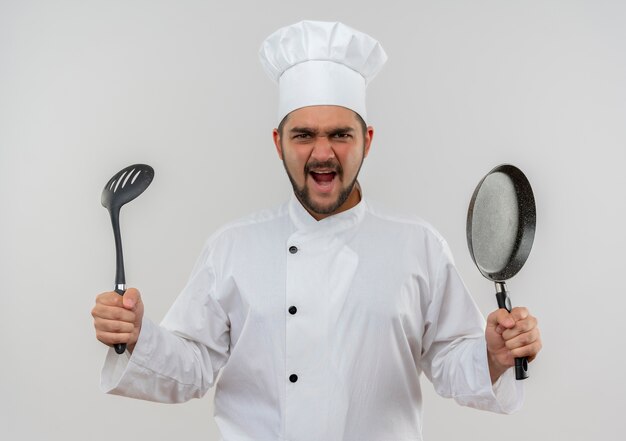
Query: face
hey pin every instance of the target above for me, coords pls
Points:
(322, 149)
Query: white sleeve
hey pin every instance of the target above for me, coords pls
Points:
(180, 359)
(454, 350)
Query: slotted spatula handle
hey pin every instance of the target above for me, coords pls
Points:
(120, 348)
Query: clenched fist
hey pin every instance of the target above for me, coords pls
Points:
(117, 318)
(510, 335)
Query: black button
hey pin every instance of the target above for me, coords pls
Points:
(293, 310)
(293, 378)
(293, 250)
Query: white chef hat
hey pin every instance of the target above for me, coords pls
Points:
(321, 63)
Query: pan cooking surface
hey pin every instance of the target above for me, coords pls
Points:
(501, 223)
(495, 222)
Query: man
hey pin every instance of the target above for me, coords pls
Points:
(320, 314)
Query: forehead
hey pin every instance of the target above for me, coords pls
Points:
(322, 116)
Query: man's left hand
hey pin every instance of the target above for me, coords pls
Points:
(510, 335)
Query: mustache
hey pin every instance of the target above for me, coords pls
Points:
(326, 165)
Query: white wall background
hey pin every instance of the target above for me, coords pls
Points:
(88, 87)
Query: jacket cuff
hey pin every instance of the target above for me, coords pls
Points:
(120, 367)
(507, 393)
(505, 396)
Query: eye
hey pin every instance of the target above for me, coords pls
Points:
(302, 136)
(341, 135)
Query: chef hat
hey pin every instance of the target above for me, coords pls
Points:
(321, 63)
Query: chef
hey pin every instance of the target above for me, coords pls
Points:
(321, 314)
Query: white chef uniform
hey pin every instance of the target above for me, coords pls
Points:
(320, 329)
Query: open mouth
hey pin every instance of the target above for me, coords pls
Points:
(323, 178)
(324, 181)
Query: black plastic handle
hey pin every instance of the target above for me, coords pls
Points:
(120, 348)
(521, 363)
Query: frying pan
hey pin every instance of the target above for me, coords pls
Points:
(500, 232)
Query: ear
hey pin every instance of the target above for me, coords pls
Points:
(276, 137)
(369, 135)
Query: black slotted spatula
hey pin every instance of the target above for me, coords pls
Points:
(123, 187)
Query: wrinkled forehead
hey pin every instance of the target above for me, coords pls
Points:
(322, 117)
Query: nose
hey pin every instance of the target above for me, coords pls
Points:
(322, 150)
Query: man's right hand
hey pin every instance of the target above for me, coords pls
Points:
(117, 318)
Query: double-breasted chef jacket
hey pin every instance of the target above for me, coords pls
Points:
(320, 329)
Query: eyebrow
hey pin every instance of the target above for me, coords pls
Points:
(311, 131)
(307, 130)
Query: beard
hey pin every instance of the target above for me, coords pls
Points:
(303, 193)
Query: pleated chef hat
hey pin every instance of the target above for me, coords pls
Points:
(321, 63)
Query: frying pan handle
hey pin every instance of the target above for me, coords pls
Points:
(504, 302)
(120, 348)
